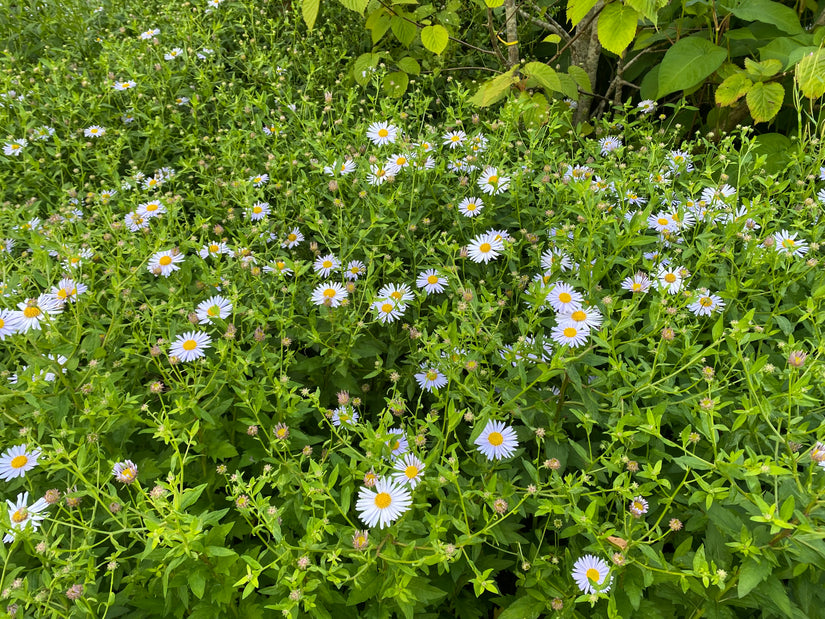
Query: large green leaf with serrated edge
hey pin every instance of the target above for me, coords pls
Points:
(687, 63)
(543, 74)
(761, 70)
(494, 90)
(309, 11)
(355, 5)
(732, 89)
(648, 8)
(810, 74)
(768, 12)
(617, 27)
(765, 100)
(435, 38)
(403, 30)
(395, 84)
(577, 9)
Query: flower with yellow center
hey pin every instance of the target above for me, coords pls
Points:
(383, 504)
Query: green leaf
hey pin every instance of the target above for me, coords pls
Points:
(732, 89)
(577, 9)
(581, 77)
(751, 574)
(409, 65)
(363, 66)
(543, 74)
(355, 5)
(378, 23)
(764, 69)
(403, 30)
(648, 8)
(395, 84)
(197, 583)
(309, 10)
(493, 4)
(494, 90)
(687, 64)
(768, 12)
(810, 75)
(550, 38)
(435, 38)
(617, 27)
(765, 100)
(525, 607)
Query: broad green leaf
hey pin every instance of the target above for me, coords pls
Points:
(732, 89)
(395, 84)
(648, 8)
(525, 607)
(363, 67)
(577, 9)
(765, 100)
(355, 5)
(761, 70)
(550, 38)
(403, 30)
(435, 38)
(544, 74)
(378, 23)
(751, 574)
(569, 87)
(493, 4)
(617, 27)
(536, 109)
(768, 12)
(409, 65)
(581, 77)
(687, 64)
(810, 74)
(494, 90)
(309, 11)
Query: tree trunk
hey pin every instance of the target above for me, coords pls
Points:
(510, 12)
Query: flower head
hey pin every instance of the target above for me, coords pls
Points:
(591, 574)
(125, 472)
(17, 461)
(190, 346)
(497, 440)
(383, 504)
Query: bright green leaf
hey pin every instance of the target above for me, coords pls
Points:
(648, 8)
(768, 12)
(409, 65)
(435, 38)
(403, 30)
(810, 74)
(732, 89)
(765, 100)
(355, 5)
(543, 74)
(577, 9)
(617, 27)
(687, 64)
(395, 84)
(309, 11)
(494, 90)
(551, 38)
(493, 4)
(761, 70)
(581, 77)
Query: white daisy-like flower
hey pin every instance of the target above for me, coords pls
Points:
(570, 335)
(258, 211)
(716, 196)
(190, 346)
(646, 106)
(493, 183)
(378, 175)
(582, 318)
(14, 148)
(153, 208)
(329, 293)
(76, 259)
(564, 299)
(431, 281)
(324, 265)
(485, 247)
(43, 133)
(381, 133)
(17, 461)
(638, 507)
(388, 310)
(430, 378)
(153, 182)
(706, 303)
(293, 238)
(397, 442)
(279, 267)
(22, 515)
(34, 310)
(555, 258)
(95, 131)
(214, 307)
(173, 53)
(410, 470)
(396, 163)
(165, 262)
(125, 85)
(787, 243)
(609, 144)
(662, 222)
(454, 139)
(214, 248)
(9, 323)
(669, 278)
(68, 290)
(354, 269)
(497, 440)
(470, 207)
(679, 159)
(591, 574)
(125, 472)
(152, 32)
(639, 283)
(344, 415)
(400, 293)
(383, 504)
(821, 195)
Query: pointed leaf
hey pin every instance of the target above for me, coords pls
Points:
(768, 12)
(435, 38)
(617, 27)
(577, 9)
(355, 5)
(648, 8)
(544, 74)
(309, 11)
(732, 89)
(403, 30)
(494, 90)
(409, 65)
(765, 100)
(760, 70)
(687, 64)
(581, 77)
(810, 75)
(395, 84)
(751, 574)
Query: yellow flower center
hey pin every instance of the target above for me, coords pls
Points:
(21, 515)
(636, 287)
(329, 293)
(788, 243)
(383, 500)
(593, 574)
(411, 471)
(670, 278)
(382, 133)
(292, 237)
(128, 474)
(380, 173)
(579, 316)
(165, 261)
(2, 323)
(493, 179)
(280, 265)
(432, 279)
(257, 210)
(215, 310)
(15, 146)
(495, 439)
(327, 264)
(395, 445)
(565, 297)
(472, 206)
(18, 462)
(62, 294)
(387, 308)
(455, 138)
(662, 221)
(213, 248)
(432, 375)
(639, 507)
(397, 294)
(31, 312)
(280, 432)
(570, 332)
(485, 247)
(705, 301)
(190, 345)
(401, 161)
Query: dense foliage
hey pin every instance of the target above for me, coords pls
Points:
(274, 342)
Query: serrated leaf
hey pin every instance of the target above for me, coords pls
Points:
(765, 100)
(647, 8)
(355, 5)
(768, 12)
(732, 89)
(687, 64)
(493, 4)
(617, 27)
(395, 84)
(810, 74)
(309, 11)
(544, 74)
(494, 89)
(581, 77)
(409, 65)
(403, 30)
(363, 66)
(378, 23)
(577, 9)
(435, 38)
(761, 70)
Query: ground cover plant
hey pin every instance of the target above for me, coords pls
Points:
(273, 343)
